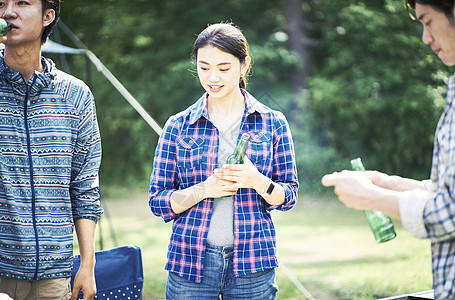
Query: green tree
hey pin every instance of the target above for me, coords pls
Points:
(377, 89)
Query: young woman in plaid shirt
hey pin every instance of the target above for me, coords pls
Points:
(223, 239)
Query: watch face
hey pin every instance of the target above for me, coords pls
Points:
(270, 188)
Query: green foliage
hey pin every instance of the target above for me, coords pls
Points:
(375, 90)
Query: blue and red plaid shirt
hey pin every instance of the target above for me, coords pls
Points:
(187, 154)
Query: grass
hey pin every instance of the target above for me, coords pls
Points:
(326, 246)
(331, 250)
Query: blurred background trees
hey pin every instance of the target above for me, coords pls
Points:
(352, 77)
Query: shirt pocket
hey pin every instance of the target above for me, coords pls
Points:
(190, 158)
(261, 151)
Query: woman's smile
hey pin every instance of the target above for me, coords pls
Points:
(215, 88)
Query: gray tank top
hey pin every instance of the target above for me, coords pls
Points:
(221, 229)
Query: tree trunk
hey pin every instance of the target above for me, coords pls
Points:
(293, 12)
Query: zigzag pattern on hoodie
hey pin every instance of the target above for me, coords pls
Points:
(50, 153)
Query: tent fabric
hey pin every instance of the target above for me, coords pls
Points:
(53, 47)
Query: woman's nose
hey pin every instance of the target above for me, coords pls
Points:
(214, 76)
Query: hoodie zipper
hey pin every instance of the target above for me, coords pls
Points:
(32, 183)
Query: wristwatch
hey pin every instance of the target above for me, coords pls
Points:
(268, 189)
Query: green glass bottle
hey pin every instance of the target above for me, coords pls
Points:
(239, 153)
(5, 26)
(381, 225)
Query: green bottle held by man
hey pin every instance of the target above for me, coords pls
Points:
(381, 224)
(239, 153)
(5, 26)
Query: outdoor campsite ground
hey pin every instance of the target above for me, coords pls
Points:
(326, 246)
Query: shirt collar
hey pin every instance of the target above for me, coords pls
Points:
(451, 89)
(199, 109)
(43, 78)
(253, 105)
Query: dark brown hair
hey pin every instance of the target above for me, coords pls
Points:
(50, 4)
(445, 6)
(227, 38)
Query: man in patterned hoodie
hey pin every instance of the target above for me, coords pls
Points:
(50, 153)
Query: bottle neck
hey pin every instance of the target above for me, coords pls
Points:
(240, 151)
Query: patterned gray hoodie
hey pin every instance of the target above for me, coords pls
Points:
(50, 153)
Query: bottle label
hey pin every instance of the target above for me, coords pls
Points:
(386, 227)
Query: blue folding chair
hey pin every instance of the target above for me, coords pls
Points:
(118, 273)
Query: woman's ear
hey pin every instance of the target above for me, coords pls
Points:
(245, 66)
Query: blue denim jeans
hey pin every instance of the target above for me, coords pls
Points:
(219, 281)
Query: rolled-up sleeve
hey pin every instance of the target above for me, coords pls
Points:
(429, 214)
(284, 166)
(440, 209)
(164, 178)
(411, 207)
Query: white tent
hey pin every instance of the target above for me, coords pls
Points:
(53, 47)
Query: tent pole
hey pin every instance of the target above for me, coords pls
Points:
(102, 68)
(87, 70)
(71, 35)
(62, 56)
(136, 105)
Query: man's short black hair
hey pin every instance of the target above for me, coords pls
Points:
(50, 4)
(445, 6)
